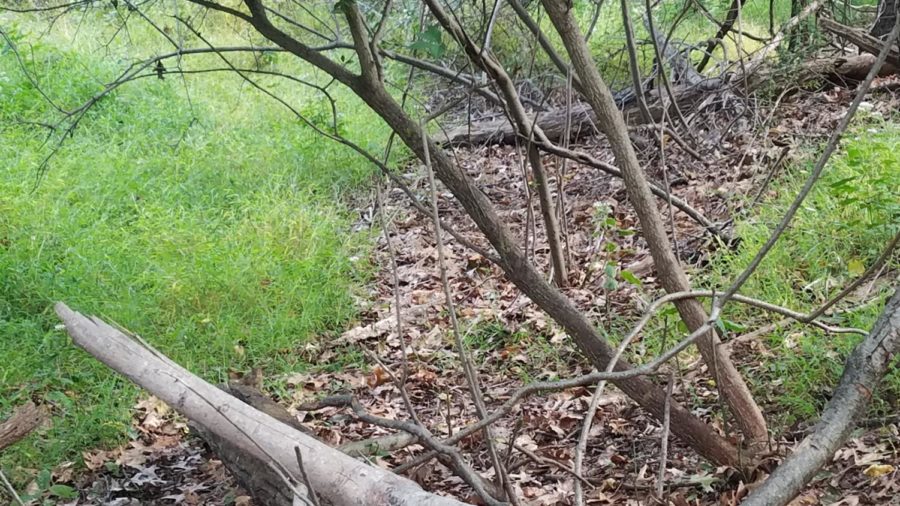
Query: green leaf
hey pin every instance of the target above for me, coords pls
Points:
(730, 325)
(843, 183)
(63, 492)
(610, 282)
(431, 41)
(856, 267)
(43, 479)
(721, 325)
(629, 277)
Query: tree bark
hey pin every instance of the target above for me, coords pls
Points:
(671, 276)
(261, 481)
(863, 371)
(884, 20)
(512, 259)
(861, 39)
(23, 420)
(336, 478)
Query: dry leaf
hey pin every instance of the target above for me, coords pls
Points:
(876, 470)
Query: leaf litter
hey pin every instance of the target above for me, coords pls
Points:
(512, 343)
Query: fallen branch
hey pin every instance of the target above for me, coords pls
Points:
(583, 120)
(337, 478)
(860, 38)
(862, 373)
(24, 419)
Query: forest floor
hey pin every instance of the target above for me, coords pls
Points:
(513, 343)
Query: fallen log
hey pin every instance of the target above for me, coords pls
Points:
(22, 422)
(863, 371)
(583, 121)
(263, 483)
(860, 39)
(337, 478)
(840, 70)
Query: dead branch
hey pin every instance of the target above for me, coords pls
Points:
(11, 489)
(863, 371)
(337, 478)
(23, 420)
(465, 358)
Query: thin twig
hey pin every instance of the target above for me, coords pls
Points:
(11, 489)
(464, 356)
(664, 439)
(309, 488)
(581, 446)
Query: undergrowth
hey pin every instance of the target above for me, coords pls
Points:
(841, 229)
(197, 213)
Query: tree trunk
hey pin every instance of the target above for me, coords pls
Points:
(336, 478)
(884, 20)
(515, 264)
(513, 261)
(672, 277)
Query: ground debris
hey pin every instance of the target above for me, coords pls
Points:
(512, 342)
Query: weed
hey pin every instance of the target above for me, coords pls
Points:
(197, 213)
(842, 227)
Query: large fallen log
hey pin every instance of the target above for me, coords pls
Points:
(263, 483)
(863, 371)
(860, 39)
(553, 121)
(336, 478)
(840, 70)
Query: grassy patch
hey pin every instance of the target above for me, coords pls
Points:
(842, 227)
(196, 213)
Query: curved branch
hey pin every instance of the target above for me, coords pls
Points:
(863, 371)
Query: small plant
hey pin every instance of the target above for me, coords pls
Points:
(46, 492)
(606, 226)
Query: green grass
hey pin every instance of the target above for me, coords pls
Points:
(842, 227)
(210, 222)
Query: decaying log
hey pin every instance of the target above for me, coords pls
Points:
(861, 39)
(553, 121)
(852, 68)
(837, 69)
(863, 371)
(253, 474)
(23, 420)
(337, 478)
